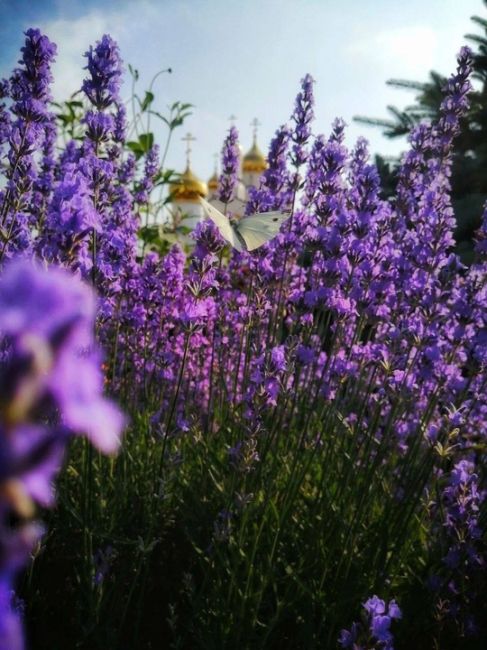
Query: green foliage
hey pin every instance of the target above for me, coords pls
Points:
(69, 118)
(158, 239)
(142, 146)
(178, 112)
(469, 173)
(203, 555)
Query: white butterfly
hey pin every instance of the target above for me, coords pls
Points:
(250, 232)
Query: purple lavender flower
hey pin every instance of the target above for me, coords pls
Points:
(50, 386)
(274, 192)
(375, 606)
(324, 184)
(244, 455)
(43, 183)
(11, 633)
(379, 618)
(378, 323)
(49, 315)
(5, 119)
(462, 502)
(29, 85)
(29, 90)
(348, 638)
(71, 208)
(302, 118)
(230, 163)
(105, 68)
(120, 127)
(278, 359)
(380, 621)
(99, 126)
(151, 168)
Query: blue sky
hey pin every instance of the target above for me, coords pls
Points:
(246, 57)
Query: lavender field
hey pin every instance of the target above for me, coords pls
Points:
(210, 448)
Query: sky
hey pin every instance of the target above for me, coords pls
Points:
(246, 58)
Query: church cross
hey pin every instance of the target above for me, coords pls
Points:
(255, 123)
(188, 138)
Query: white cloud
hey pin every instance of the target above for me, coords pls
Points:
(407, 50)
(137, 28)
(228, 58)
(73, 37)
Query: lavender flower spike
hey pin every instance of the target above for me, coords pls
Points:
(30, 84)
(230, 163)
(302, 117)
(105, 68)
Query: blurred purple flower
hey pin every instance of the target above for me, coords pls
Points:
(50, 386)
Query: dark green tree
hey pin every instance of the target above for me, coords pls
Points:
(469, 173)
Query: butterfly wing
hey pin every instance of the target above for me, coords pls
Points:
(235, 206)
(222, 223)
(257, 229)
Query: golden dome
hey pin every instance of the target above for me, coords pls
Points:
(188, 187)
(213, 182)
(254, 160)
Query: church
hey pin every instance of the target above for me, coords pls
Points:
(186, 209)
